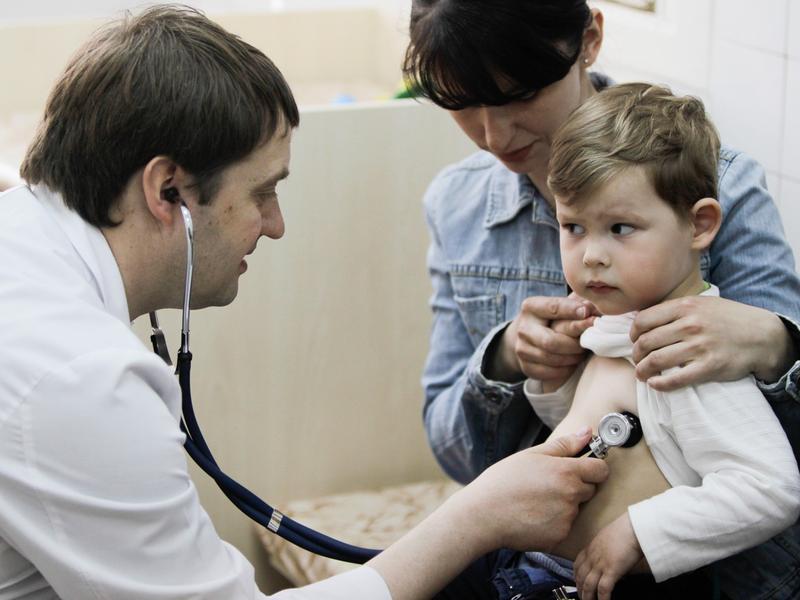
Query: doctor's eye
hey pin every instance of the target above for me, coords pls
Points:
(622, 229)
(265, 196)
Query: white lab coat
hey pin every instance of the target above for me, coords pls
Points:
(95, 496)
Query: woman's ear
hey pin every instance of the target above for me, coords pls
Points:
(706, 217)
(592, 40)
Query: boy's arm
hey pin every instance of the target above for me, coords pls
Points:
(551, 406)
(611, 555)
(746, 478)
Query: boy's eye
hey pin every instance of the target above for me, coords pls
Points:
(573, 228)
(621, 229)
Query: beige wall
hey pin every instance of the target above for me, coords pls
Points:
(322, 54)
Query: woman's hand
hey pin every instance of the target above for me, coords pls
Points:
(712, 339)
(610, 555)
(542, 341)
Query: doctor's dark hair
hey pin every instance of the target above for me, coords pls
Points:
(637, 124)
(467, 53)
(166, 82)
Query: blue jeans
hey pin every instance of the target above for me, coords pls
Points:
(499, 576)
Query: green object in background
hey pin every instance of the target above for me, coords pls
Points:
(406, 92)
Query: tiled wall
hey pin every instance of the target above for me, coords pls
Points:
(742, 58)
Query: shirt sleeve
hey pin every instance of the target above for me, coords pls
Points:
(789, 383)
(552, 407)
(96, 492)
(750, 259)
(749, 486)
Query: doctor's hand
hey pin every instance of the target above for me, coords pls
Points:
(529, 500)
(712, 339)
(526, 501)
(542, 341)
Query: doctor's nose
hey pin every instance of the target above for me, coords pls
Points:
(272, 224)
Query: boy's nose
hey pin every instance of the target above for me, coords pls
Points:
(595, 255)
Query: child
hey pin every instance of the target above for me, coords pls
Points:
(634, 172)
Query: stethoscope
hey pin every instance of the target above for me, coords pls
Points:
(616, 429)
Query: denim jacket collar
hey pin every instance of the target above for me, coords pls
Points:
(510, 192)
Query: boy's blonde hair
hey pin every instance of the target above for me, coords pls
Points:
(637, 124)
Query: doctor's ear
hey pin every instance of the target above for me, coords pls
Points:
(706, 218)
(161, 180)
(171, 195)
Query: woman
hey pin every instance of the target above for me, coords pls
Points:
(510, 73)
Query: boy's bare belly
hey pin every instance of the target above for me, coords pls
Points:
(608, 385)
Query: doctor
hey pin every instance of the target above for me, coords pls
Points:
(95, 497)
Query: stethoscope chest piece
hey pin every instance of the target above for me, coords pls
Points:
(615, 430)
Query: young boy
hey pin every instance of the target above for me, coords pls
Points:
(634, 173)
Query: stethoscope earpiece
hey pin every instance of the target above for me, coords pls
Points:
(171, 195)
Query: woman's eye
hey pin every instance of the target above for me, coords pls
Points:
(573, 228)
(621, 229)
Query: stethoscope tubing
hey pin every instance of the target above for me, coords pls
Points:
(197, 448)
(245, 500)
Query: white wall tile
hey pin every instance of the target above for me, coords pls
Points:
(791, 136)
(747, 96)
(790, 213)
(793, 41)
(760, 25)
(674, 44)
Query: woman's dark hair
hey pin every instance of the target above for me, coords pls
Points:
(166, 82)
(491, 52)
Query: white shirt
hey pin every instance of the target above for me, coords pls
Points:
(734, 478)
(95, 497)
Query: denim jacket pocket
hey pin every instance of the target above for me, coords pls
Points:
(481, 314)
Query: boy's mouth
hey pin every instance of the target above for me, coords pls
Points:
(599, 287)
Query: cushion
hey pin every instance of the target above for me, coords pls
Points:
(374, 519)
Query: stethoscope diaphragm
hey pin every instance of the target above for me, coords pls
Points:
(615, 430)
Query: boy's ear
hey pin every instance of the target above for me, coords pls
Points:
(706, 217)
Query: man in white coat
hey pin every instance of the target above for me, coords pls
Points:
(95, 497)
